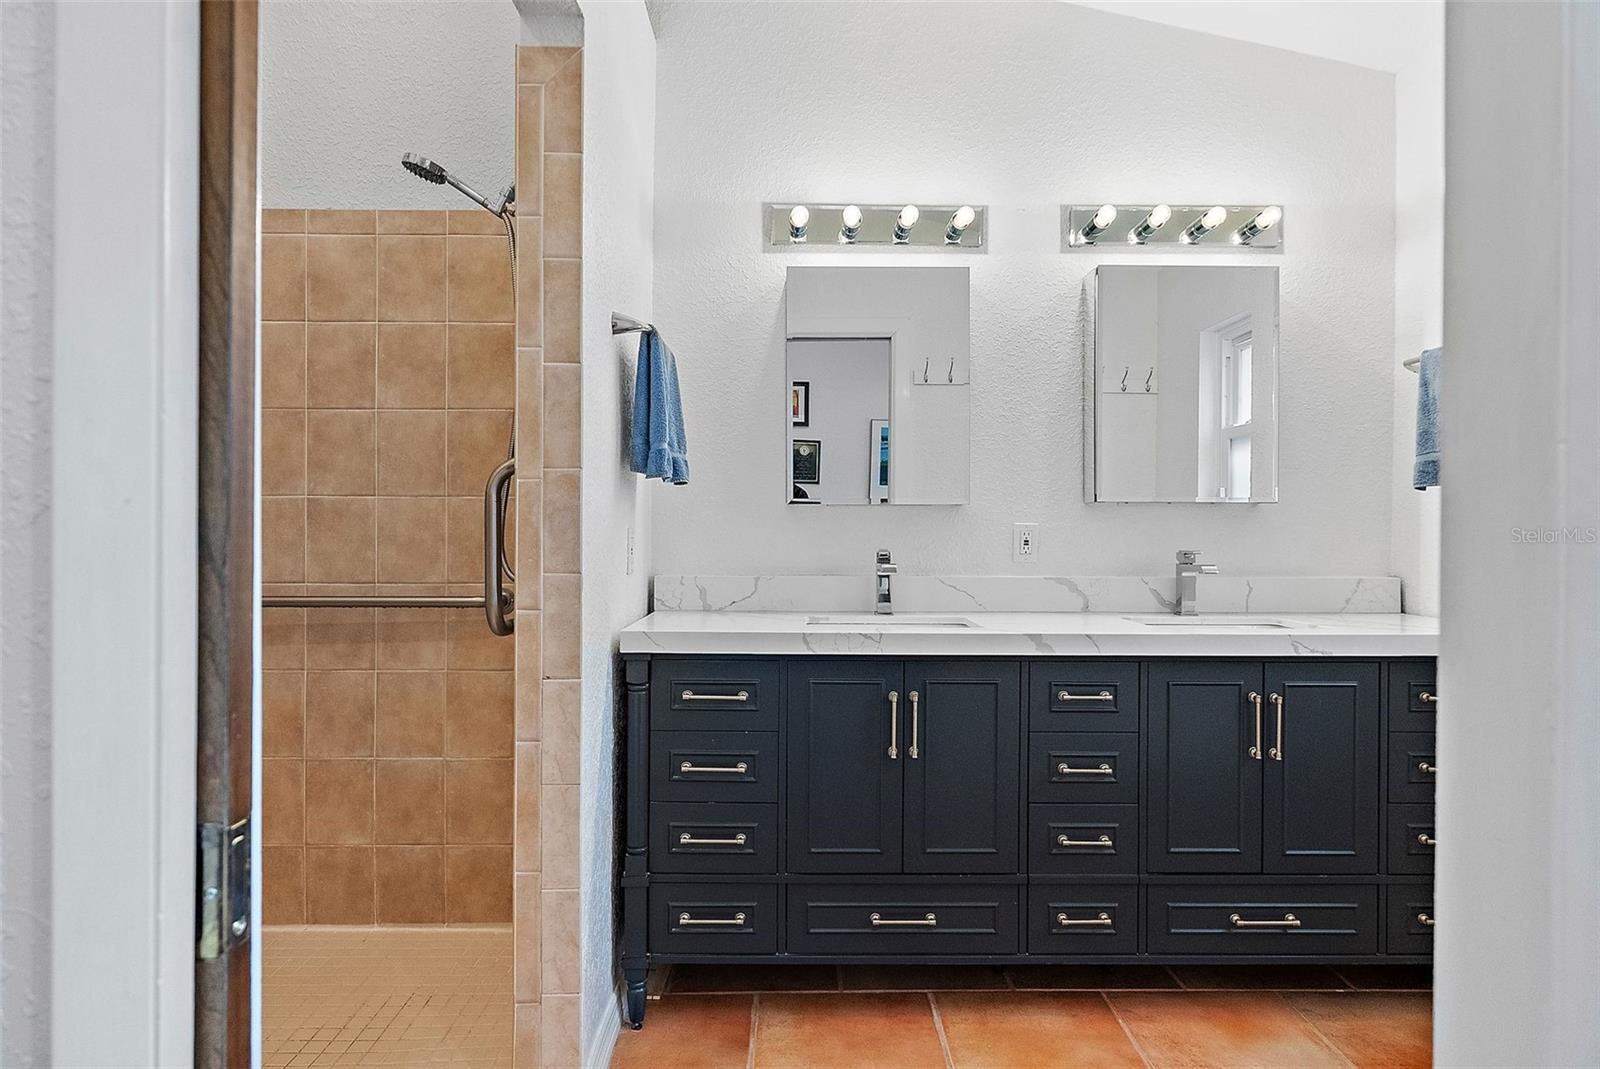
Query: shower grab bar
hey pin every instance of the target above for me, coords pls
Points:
(496, 601)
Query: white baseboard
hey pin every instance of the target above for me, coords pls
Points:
(597, 1051)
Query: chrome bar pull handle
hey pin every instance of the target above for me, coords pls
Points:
(1104, 841)
(1068, 696)
(1064, 769)
(1255, 699)
(705, 770)
(1427, 698)
(1426, 840)
(1424, 920)
(929, 920)
(737, 696)
(687, 921)
(1427, 769)
(1289, 921)
(915, 718)
(1103, 920)
(688, 839)
(1276, 753)
(496, 601)
(894, 725)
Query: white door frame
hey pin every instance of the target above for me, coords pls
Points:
(123, 542)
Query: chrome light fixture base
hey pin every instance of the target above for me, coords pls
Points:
(826, 230)
(1130, 234)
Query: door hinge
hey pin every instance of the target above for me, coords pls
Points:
(222, 919)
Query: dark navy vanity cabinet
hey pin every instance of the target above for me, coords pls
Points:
(988, 810)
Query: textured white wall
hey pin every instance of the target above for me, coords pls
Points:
(1039, 104)
(349, 85)
(27, 82)
(619, 71)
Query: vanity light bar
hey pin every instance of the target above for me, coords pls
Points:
(1171, 227)
(793, 226)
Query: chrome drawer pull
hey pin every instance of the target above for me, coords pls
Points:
(1103, 841)
(686, 921)
(1429, 699)
(915, 752)
(930, 920)
(1068, 770)
(1102, 921)
(1424, 920)
(1255, 699)
(1427, 769)
(1289, 921)
(741, 696)
(1276, 753)
(894, 724)
(1426, 840)
(737, 770)
(1068, 696)
(686, 839)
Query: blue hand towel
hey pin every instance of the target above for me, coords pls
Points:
(1426, 471)
(660, 450)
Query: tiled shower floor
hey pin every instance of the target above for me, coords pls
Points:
(386, 996)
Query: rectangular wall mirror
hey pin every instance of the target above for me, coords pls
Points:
(876, 388)
(1181, 395)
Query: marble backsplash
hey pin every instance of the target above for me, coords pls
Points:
(1024, 593)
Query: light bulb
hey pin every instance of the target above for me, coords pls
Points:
(960, 219)
(1150, 224)
(1104, 216)
(1265, 219)
(904, 222)
(850, 220)
(799, 216)
(1204, 225)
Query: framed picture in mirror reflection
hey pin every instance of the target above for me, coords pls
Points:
(806, 461)
(800, 404)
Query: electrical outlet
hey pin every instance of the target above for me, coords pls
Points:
(1025, 542)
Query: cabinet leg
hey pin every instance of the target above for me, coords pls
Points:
(635, 978)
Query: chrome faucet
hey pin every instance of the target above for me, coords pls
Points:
(885, 601)
(1189, 572)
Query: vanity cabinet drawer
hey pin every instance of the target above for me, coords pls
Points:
(713, 837)
(1411, 839)
(713, 918)
(1083, 767)
(1272, 919)
(1083, 839)
(1083, 919)
(714, 695)
(903, 919)
(714, 766)
(1408, 913)
(1412, 767)
(1413, 696)
(1083, 696)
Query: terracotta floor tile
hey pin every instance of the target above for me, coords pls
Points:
(1191, 1029)
(1091, 977)
(1259, 978)
(921, 977)
(1387, 977)
(1391, 1029)
(1037, 1029)
(729, 978)
(884, 1031)
(689, 1032)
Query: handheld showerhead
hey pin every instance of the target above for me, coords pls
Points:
(429, 171)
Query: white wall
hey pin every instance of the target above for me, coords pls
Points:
(349, 85)
(1042, 107)
(1418, 299)
(27, 89)
(619, 72)
(1517, 964)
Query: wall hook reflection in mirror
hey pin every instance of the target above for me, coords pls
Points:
(925, 361)
(1125, 380)
(1147, 378)
(951, 377)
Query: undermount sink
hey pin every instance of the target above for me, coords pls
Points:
(875, 621)
(1216, 620)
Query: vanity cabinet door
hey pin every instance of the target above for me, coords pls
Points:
(1203, 785)
(962, 759)
(843, 787)
(1321, 802)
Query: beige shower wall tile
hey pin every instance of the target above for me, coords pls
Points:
(340, 362)
(339, 638)
(340, 714)
(283, 221)
(411, 539)
(562, 603)
(530, 281)
(563, 416)
(411, 278)
(559, 823)
(482, 362)
(473, 647)
(411, 454)
(563, 108)
(339, 540)
(479, 714)
(340, 221)
(478, 884)
(563, 550)
(525, 937)
(411, 365)
(340, 453)
(283, 276)
(529, 649)
(530, 148)
(479, 273)
(563, 310)
(341, 277)
(560, 731)
(411, 222)
(525, 1045)
(478, 801)
(530, 410)
(283, 365)
(536, 63)
(283, 451)
(477, 444)
(558, 936)
(560, 1039)
(412, 639)
(530, 542)
(477, 221)
(526, 836)
(283, 539)
(563, 205)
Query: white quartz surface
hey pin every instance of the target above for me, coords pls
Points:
(1037, 634)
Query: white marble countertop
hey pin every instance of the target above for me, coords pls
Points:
(1036, 634)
